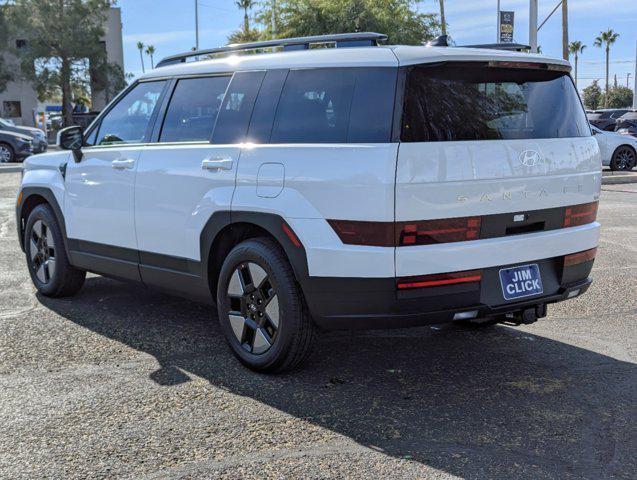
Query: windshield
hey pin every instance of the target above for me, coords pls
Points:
(5, 123)
(466, 102)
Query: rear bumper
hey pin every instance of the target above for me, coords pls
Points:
(341, 303)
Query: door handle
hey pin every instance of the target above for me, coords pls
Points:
(221, 163)
(123, 164)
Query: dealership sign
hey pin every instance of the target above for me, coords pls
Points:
(506, 27)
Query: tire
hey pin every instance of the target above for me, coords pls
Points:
(264, 335)
(49, 267)
(624, 158)
(7, 154)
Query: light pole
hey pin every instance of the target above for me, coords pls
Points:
(497, 30)
(196, 24)
(533, 25)
(635, 80)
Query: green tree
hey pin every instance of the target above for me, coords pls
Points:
(592, 96)
(140, 47)
(150, 51)
(246, 5)
(399, 19)
(576, 48)
(620, 97)
(606, 39)
(5, 73)
(62, 39)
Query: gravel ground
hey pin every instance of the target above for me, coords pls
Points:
(123, 382)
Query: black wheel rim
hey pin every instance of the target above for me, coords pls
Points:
(254, 308)
(42, 252)
(625, 159)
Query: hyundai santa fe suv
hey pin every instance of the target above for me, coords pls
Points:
(309, 189)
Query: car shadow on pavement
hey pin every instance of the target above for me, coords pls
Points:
(474, 403)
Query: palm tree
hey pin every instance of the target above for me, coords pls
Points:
(575, 48)
(245, 5)
(140, 47)
(443, 23)
(150, 51)
(606, 39)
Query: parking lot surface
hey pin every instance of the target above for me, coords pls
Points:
(120, 381)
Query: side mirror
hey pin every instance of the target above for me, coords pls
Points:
(71, 138)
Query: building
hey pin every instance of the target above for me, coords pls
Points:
(19, 102)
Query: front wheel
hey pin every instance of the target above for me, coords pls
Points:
(261, 308)
(623, 158)
(50, 270)
(6, 153)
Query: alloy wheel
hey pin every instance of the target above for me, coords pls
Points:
(625, 159)
(42, 251)
(254, 308)
(5, 154)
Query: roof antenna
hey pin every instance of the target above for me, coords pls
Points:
(439, 41)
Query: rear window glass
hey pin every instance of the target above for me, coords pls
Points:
(460, 102)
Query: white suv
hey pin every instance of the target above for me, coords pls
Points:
(327, 188)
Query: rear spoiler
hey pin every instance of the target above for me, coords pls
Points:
(444, 41)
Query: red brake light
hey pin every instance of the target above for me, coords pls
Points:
(428, 232)
(439, 279)
(580, 257)
(580, 214)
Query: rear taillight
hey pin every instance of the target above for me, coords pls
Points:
(580, 214)
(428, 232)
(374, 234)
(580, 257)
(439, 279)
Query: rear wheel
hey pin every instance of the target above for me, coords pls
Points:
(6, 153)
(49, 267)
(624, 158)
(261, 308)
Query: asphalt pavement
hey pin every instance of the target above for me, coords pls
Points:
(123, 382)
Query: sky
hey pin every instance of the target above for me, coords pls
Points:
(169, 26)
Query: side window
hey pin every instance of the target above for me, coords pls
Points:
(236, 110)
(193, 109)
(128, 120)
(373, 105)
(265, 106)
(314, 106)
(90, 140)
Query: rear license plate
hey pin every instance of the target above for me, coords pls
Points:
(523, 281)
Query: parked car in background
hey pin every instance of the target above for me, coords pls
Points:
(14, 147)
(627, 124)
(618, 151)
(40, 143)
(605, 119)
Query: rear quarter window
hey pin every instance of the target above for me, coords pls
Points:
(336, 105)
(460, 102)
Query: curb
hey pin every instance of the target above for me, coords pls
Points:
(11, 169)
(619, 178)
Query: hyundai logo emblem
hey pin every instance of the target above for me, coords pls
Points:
(531, 158)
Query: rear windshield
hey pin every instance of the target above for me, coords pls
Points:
(475, 102)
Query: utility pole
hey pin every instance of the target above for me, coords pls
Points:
(533, 25)
(196, 24)
(565, 29)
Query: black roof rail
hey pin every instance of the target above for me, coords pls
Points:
(514, 47)
(357, 39)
